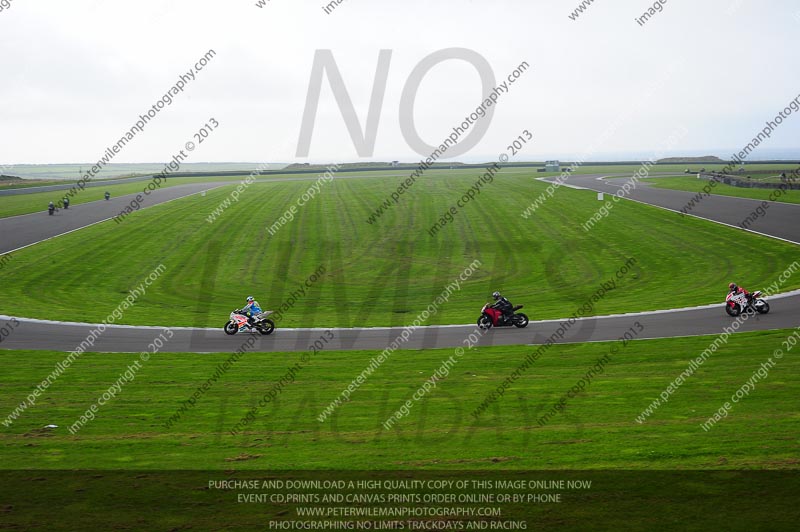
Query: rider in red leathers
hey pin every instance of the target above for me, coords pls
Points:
(736, 289)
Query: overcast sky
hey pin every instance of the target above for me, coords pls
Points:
(76, 75)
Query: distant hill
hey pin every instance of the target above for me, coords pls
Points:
(707, 159)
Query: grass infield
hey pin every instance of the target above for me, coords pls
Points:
(384, 273)
(596, 430)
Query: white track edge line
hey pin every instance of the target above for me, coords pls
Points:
(398, 327)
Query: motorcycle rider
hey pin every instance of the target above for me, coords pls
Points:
(503, 305)
(51, 208)
(251, 310)
(736, 289)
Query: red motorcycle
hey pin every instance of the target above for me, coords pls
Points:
(491, 317)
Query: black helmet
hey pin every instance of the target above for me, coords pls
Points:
(732, 287)
(496, 296)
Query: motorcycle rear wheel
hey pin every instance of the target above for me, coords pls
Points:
(764, 308)
(266, 327)
(231, 328)
(520, 320)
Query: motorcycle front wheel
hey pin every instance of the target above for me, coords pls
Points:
(520, 320)
(484, 322)
(266, 327)
(734, 310)
(231, 328)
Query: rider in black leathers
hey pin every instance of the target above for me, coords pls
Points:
(503, 305)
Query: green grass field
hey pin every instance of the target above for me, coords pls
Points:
(597, 430)
(384, 273)
(37, 201)
(692, 184)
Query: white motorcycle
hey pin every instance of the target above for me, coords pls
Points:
(240, 323)
(735, 304)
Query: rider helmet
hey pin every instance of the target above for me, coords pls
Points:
(732, 287)
(250, 298)
(496, 296)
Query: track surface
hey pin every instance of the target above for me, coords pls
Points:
(687, 322)
(782, 220)
(33, 334)
(28, 229)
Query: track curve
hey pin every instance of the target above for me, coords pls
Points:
(782, 220)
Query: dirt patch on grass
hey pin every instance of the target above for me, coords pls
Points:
(493, 459)
(39, 433)
(242, 457)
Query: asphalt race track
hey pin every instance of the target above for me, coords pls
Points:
(781, 221)
(28, 229)
(31, 334)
